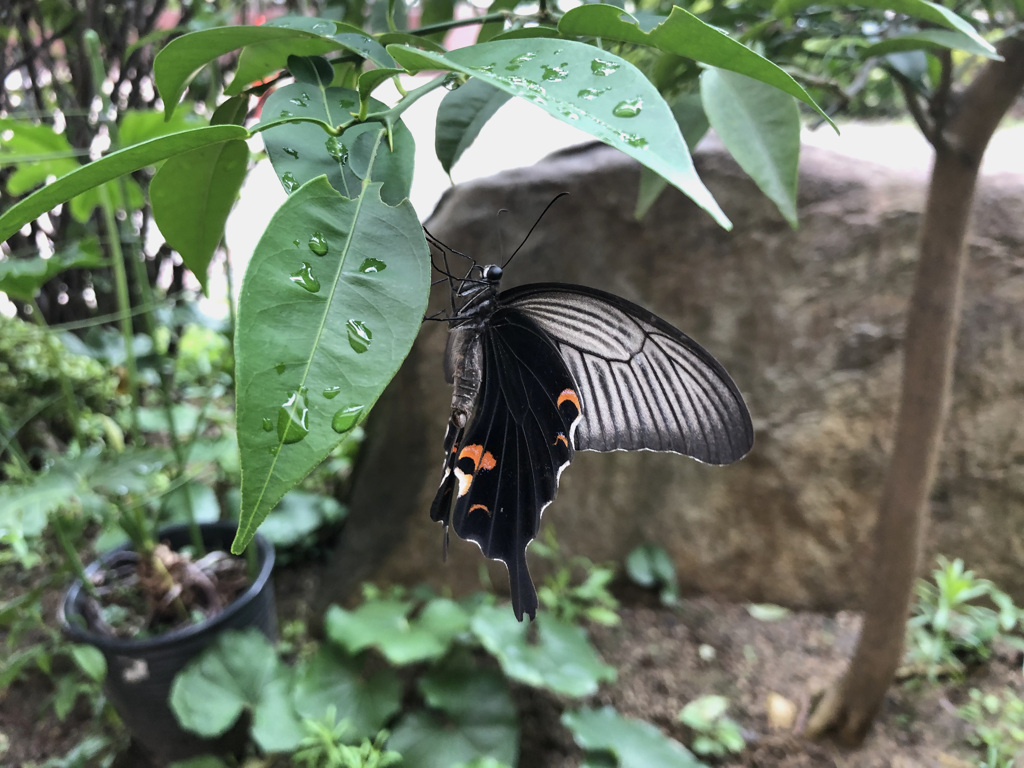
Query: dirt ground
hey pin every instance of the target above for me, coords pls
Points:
(665, 658)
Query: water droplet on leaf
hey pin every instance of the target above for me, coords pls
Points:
(372, 265)
(303, 277)
(289, 182)
(336, 149)
(293, 418)
(518, 61)
(294, 153)
(280, 368)
(452, 81)
(603, 68)
(628, 108)
(633, 140)
(359, 336)
(331, 392)
(346, 418)
(556, 74)
(318, 244)
(268, 425)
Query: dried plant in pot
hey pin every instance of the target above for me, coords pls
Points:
(173, 603)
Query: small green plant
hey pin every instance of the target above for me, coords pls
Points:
(324, 746)
(957, 619)
(997, 727)
(651, 567)
(569, 598)
(716, 734)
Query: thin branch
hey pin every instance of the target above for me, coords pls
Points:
(928, 127)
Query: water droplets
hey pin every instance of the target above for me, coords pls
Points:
(518, 61)
(303, 277)
(289, 182)
(331, 392)
(318, 244)
(637, 142)
(291, 152)
(284, 113)
(603, 68)
(346, 418)
(337, 150)
(372, 265)
(557, 73)
(628, 108)
(268, 425)
(589, 94)
(325, 28)
(359, 336)
(302, 100)
(452, 81)
(293, 417)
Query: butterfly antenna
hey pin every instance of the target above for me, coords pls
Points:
(554, 200)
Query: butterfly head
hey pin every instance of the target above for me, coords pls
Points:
(492, 274)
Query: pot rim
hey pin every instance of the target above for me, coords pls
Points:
(265, 553)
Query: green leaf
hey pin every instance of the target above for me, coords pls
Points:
(561, 659)
(693, 123)
(760, 126)
(683, 34)
(594, 91)
(383, 624)
(461, 115)
(276, 725)
(181, 59)
(492, 28)
(192, 195)
(330, 304)
(329, 679)
(650, 566)
(298, 516)
(301, 151)
(476, 719)
(635, 743)
(926, 39)
(311, 69)
(22, 278)
(918, 9)
(91, 661)
(229, 677)
(110, 167)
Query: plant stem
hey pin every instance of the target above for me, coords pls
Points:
(60, 530)
(444, 26)
(65, 384)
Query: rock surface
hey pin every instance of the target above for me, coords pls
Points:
(808, 322)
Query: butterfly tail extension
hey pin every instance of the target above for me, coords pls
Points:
(524, 594)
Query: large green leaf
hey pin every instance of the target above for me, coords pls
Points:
(181, 59)
(330, 304)
(473, 718)
(760, 126)
(110, 167)
(330, 679)
(683, 34)
(228, 678)
(301, 151)
(385, 625)
(561, 658)
(918, 9)
(192, 195)
(597, 92)
(926, 39)
(635, 743)
(461, 115)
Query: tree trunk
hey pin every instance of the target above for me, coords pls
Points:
(848, 709)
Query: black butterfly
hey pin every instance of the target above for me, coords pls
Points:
(545, 369)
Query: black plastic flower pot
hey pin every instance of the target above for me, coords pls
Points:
(140, 671)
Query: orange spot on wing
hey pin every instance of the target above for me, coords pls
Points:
(476, 507)
(561, 439)
(481, 459)
(568, 394)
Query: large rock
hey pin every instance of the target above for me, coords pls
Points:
(809, 323)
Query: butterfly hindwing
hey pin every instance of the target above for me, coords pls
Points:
(644, 383)
(505, 465)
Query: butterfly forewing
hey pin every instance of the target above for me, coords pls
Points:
(502, 469)
(644, 384)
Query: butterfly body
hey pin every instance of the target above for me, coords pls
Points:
(543, 370)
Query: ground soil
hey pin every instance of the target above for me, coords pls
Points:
(665, 656)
